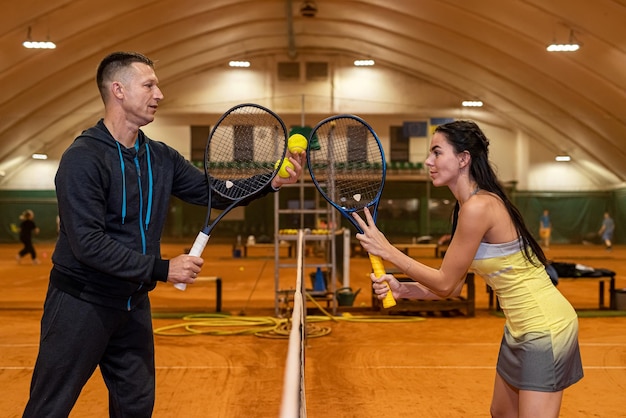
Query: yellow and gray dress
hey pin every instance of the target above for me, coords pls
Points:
(539, 349)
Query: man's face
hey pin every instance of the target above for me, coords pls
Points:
(141, 94)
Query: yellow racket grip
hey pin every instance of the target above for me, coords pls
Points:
(379, 270)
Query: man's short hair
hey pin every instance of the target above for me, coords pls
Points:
(112, 63)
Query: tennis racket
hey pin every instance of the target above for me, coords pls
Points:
(347, 165)
(240, 160)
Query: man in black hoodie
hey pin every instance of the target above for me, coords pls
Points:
(113, 189)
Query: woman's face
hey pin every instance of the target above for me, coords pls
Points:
(443, 162)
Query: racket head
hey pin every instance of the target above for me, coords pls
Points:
(347, 165)
(242, 150)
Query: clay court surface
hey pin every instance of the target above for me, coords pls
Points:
(439, 366)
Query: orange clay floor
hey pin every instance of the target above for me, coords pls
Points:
(359, 363)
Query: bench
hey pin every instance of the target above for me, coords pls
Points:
(265, 247)
(218, 289)
(439, 250)
(466, 302)
(609, 276)
(406, 248)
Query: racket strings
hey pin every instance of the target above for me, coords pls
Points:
(242, 151)
(348, 166)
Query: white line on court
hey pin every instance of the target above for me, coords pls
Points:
(497, 344)
(158, 367)
(19, 345)
(200, 367)
(491, 367)
(407, 344)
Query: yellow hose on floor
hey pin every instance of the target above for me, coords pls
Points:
(262, 326)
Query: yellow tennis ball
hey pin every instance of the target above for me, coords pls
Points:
(282, 171)
(297, 143)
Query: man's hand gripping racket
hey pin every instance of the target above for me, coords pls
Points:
(347, 165)
(240, 160)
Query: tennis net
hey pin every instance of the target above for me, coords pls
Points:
(293, 404)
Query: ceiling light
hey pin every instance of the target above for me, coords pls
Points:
(239, 64)
(39, 45)
(571, 46)
(562, 158)
(38, 156)
(363, 63)
(472, 103)
(30, 44)
(308, 9)
(563, 47)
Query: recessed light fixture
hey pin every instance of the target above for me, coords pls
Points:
(364, 63)
(571, 46)
(472, 103)
(563, 47)
(30, 44)
(239, 64)
(562, 158)
(40, 156)
(39, 45)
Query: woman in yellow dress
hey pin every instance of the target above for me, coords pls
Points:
(539, 353)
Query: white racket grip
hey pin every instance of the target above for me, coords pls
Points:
(196, 250)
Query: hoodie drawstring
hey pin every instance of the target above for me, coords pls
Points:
(123, 167)
(143, 223)
(149, 211)
(144, 227)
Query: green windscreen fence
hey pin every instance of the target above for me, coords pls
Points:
(576, 217)
(408, 209)
(42, 202)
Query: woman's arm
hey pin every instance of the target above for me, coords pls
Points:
(476, 218)
(406, 290)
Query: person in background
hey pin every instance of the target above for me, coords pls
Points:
(539, 352)
(114, 186)
(606, 231)
(545, 228)
(28, 228)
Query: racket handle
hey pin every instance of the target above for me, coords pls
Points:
(379, 270)
(196, 250)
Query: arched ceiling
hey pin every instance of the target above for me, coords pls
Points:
(488, 49)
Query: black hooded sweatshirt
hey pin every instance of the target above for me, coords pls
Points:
(113, 202)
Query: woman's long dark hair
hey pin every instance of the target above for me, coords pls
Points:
(467, 136)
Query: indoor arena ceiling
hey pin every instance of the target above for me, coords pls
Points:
(493, 50)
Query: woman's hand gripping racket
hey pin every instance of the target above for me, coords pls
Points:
(240, 160)
(348, 168)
